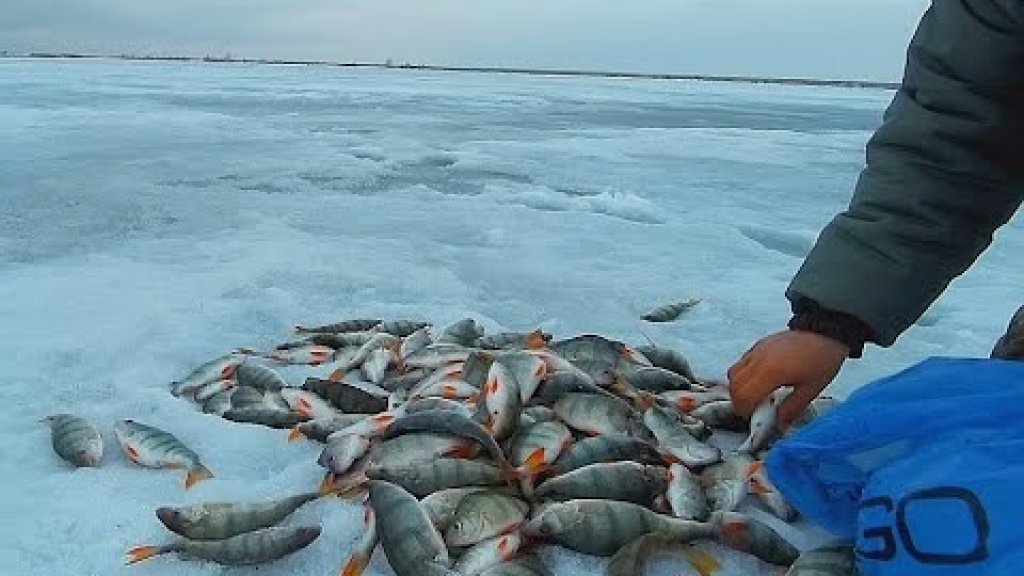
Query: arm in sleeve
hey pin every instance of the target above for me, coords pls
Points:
(944, 172)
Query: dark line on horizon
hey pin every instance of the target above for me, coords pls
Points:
(795, 81)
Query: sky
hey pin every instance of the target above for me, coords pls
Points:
(850, 39)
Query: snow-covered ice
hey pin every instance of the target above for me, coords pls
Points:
(156, 215)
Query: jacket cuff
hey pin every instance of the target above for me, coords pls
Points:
(809, 316)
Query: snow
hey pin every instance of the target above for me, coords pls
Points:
(157, 215)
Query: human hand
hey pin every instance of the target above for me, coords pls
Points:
(804, 361)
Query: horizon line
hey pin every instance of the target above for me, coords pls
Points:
(791, 81)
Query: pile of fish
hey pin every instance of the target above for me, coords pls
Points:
(469, 451)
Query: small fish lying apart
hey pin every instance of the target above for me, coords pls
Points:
(75, 440)
(153, 448)
(670, 312)
(472, 449)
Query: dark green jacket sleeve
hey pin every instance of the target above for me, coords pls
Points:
(944, 171)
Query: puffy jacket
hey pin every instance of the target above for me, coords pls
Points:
(944, 172)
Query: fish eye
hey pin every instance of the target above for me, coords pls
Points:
(545, 530)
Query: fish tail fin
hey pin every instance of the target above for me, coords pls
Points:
(645, 400)
(535, 340)
(295, 435)
(196, 475)
(327, 485)
(536, 462)
(705, 564)
(141, 553)
(356, 565)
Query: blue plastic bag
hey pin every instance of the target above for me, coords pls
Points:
(923, 470)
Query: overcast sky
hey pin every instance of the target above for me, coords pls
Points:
(812, 38)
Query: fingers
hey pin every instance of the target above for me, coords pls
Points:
(796, 402)
(738, 367)
(751, 385)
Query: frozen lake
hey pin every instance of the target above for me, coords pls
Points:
(156, 215)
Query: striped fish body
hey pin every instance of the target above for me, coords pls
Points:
(527, 369)
(669, 360)
(409, 449)
(685, 495)
(349, 398)
(753, 537)
(218, 369)
(674, 437)
(220, 520)
(425, 478)
(539, 445)
(219, 403)
(415, 342)
(602, 527)
(256, 547)
(319, 430)
(518, 566)
(670, 312)
(75, 440)
(442, 505)
(605, 449)
(655, 380)
(594, 414)
(343, 327)
(446, 422)
(154, 448)
(260, 377)
(264, 416)
(401, 328)
(622, 481)
(411, 543)
(484, 515)
(632, 559)
(437, 355)
(720, 414)
(827, 561)
(465, 332)
(489, 553)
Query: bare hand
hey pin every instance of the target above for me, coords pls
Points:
(804, 361)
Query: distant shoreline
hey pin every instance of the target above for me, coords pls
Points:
(479, 69)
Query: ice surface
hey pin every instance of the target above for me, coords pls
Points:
(156, 215)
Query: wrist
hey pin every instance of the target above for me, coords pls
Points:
(844, 328)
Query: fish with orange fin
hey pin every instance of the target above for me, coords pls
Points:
(533, 340)
(250, 548)
(153, 448)
(623, 481)
(536, 447)
(308, 404)
(343, 327)
(489, 553)
(753, 537)
(363, 550)
(502, 402)
(528, 370)
(306, 353)
(764, 422)
(222, 368)
(769, 495)
(374, 425)
(632, 558)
